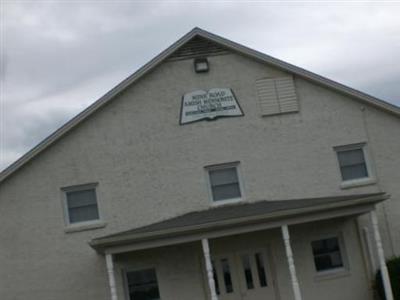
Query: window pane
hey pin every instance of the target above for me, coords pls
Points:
(226, 191)
(354, 172)
(351, 157)
(81, 198)
(336, 259)
(327, 254)
(227, 275)
(223, 176)
(84, 213)
(331, 244)
(82, 206)
(247, 271)
(318, 247)
(143, 285)
(261, 270)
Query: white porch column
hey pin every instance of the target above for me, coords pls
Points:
(292, 268)
(111, 276)
(370, 252)
(209, 268)
(381, 257)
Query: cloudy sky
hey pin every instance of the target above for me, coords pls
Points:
(59, 57)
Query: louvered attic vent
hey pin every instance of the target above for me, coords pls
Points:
(198, 47)
(277, 95)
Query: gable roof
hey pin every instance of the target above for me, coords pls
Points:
(167, 53)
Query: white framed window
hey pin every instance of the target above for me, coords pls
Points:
(81, 206)
(328, 254)
(142, 284)
(224, 183)
(354, 165)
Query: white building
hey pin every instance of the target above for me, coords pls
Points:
(213, 172)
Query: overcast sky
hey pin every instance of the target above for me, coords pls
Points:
(59, 57)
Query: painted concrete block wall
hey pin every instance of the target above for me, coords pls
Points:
(149, 168)
(384, 138)
(354, 284)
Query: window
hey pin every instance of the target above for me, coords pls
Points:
(227, 275)
(254, 264)
(81, 204)
(327, 254)
(260, 269)
(247, 271)
(352, 162)
(224, 182)
(223, 282)
(142, 285)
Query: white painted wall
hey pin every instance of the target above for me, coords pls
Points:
(149, 168)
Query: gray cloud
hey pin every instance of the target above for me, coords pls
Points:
(57, 58)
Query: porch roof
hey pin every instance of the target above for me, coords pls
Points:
(236, 218)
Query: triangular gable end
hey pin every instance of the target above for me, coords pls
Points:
(198, 47)
(196, 43)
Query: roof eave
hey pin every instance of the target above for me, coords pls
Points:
(102, 243)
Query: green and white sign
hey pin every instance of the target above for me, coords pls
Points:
(209, 105)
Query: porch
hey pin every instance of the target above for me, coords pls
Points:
(278, 250)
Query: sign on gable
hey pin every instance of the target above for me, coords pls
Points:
(209, 105)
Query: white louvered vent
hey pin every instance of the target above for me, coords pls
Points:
(277, 95)
(267, 97)
(198, 47)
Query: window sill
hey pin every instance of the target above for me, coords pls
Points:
(332, 274)
(227, 201)
(357, 182)
(85, 226)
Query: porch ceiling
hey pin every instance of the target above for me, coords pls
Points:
(236, 218)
